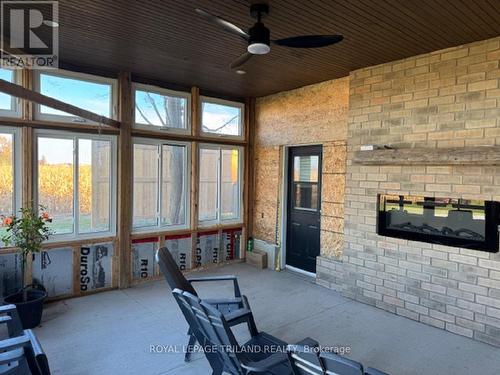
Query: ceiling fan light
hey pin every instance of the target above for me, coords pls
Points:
(258, 48)
(259, 41)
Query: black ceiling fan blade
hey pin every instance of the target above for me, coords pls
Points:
(309, 41)
(226, 25)
(241, 60)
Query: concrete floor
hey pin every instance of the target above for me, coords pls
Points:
(111, 333)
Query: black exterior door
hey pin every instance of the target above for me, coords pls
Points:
(304, 200)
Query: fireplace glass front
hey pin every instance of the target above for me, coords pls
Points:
(455, 222)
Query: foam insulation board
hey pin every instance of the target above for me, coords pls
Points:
(207, 249)
(180, 248)
(231, 244)
(143, 258)
(54, 270)
(10, 273)
(95, 266)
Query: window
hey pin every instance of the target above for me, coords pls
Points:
(208, 192)
(220, 192)
(145, 185)
(230, 184)
(10, 173)
(305, 182)
(221, 118)
(9, 105)
(157, 108)
(76, 182)
(161, 185)
(95, 94)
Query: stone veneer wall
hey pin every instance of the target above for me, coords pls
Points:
(449, 98)
(315, 114)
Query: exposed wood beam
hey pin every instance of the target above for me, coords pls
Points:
(480, 155)
(194, 191)
(27, 83)
(27, 183)
(125, 211)
(248, 188)
(33, 96)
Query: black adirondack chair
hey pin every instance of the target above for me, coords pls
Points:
(235, 309)
(20, 353)
(305, 361)
(10, 318)
(263, 353)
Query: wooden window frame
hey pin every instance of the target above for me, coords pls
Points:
(76, 235)
(166, 92)
(38, 115)
(28, 125)
(17, 167)
(239, 220)
(228, 103)
(16, 106)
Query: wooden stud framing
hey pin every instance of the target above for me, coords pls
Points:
(248, 175)
(27, 106)
(123, 128)
(194, 195)
(125, 111)
(76, 270)
(27, 180)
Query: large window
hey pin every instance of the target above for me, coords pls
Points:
(95, 94)
(76, 182)
(220, 193)
(9, 105)
(221, 118)
(161, 185)
(158, 108)
(10, 173)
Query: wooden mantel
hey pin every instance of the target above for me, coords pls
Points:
(480, 155)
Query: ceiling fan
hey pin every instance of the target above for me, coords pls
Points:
(258, 36)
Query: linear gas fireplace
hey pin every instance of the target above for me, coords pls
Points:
(463, 223)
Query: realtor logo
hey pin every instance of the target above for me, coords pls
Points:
(30, 34)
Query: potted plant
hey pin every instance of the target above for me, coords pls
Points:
(27, 232)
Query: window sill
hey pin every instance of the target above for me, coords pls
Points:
(66, 242)
(73, 120)
(213, 136)
(161, 129)
(10, 114)
(158, 231)
(202, 226)
(58, 240)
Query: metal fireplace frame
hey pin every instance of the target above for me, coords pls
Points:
(489, 244)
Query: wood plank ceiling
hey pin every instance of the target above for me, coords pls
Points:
(167, 41)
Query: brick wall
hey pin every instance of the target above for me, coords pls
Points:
(315, 114)
(448, 98)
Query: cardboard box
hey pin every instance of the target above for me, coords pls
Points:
(257, 259)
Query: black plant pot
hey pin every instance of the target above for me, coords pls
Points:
(29, 310)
